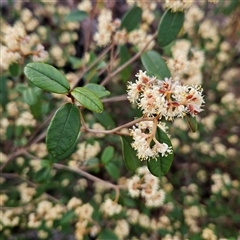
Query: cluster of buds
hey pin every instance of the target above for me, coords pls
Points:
(146, 185)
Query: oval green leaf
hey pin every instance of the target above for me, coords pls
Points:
(63, 130)
(129, 154)
(160, 166)
(192, 122)
(112, 170)
(30, 96)
(76, 16)
(4, 90)
(46, 77)
(132, 19)
(43, 174)
(124, 57)
(14, 69)
(169, 27)
(87, 98)
(153, 63)
(99, 90)
(107, 234)
(107, 154)
(70, 151)
(67, 218)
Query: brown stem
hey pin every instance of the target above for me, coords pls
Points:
(117, 129)
(14, 175)
(135, 57)
(87, 175)
(12, 157)
(115, 99)
(82, 72)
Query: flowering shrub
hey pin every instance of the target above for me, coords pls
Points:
(120, 120)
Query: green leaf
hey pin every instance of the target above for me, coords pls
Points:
(169, 27)
(87, 98)
(129, 154)
(75, 62)
(124, 57)
(112, 170)
(99, 90)
(70, 151)
(132, 19)
(3, 91)
(106, 234)
(63, 130)
(105, 119)
(67, 217)
(21, 87)
(107, 154)
(43, 174)
(160, 166)
(30, 96)
(36, 108)
(46, 163)
(192, 122)
(46, 77)
(153, 63)
(76, 16)
(14, 69)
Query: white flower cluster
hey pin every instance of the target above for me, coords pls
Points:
(166, 98)
(157, 99)
(186, 63)
(84, 152)
(122, 229)
(177, 5)
(146, 185)
(145, 143)
(108, 29)
(17, 45)
(221, 183)
(110, 207)
(212, 37)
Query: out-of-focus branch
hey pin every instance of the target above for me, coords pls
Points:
(130, 61)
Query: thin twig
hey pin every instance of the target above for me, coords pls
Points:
(87, 175)
(48, 118)
(12, 157)
(82, 72)
(117, 129)
(79, 171)
(115, 99)
(14, 175)
(135, 57)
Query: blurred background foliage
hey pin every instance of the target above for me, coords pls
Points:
(202, 187)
